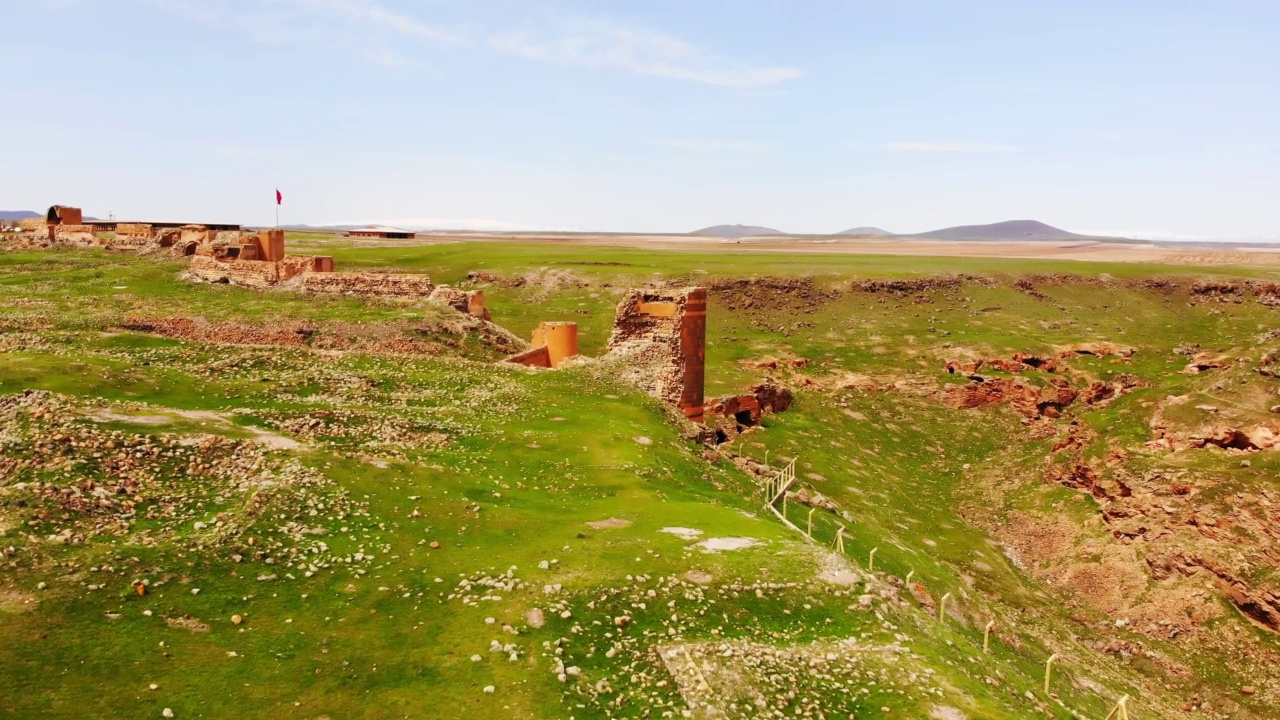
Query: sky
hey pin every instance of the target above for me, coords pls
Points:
(1143, 118)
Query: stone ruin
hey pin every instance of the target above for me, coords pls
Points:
(553, 344)
(660, 335)
(60, 224)
(255, 260)
(735, 413)
(658, 343)
(258, 260)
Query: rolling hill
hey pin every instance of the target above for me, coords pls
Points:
(733, 232)
(866, 230)
(10, 215)
(1007, 230)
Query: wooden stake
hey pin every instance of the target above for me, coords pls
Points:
(909, 574)
(986, 637)
(942, 607)
(1121, 710)
(1048, 671)
(810, 533)
(871, 560)
(840, 539)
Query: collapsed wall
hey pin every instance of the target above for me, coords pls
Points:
(467, 302)
(247, 273)
(76, 235)
(660, 335)
(369, 284)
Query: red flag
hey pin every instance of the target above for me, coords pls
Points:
(279, 197)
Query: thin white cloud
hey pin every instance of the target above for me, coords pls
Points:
(374, 14)
(950, 147)
(370, 30)
(601, 44)
(713, 146)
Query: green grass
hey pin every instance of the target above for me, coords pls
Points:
(503, 467)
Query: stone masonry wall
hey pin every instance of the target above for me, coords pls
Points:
(660, 335)
(372, 284)
(133, 230)
(248, 273)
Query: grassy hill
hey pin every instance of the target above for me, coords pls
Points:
(372, 518)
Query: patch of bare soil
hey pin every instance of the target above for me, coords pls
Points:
(264, 437)
(13, 602)
(920, 287)
(1031, 284)
(392, 338)
(229, 333)
(542, 282)
(765, 300)
(186, 622)
(608, 524)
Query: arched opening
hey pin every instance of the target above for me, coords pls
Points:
(190, 248)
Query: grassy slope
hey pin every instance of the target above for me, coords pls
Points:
(897, 463)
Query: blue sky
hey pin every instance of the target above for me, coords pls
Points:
(1149, 118)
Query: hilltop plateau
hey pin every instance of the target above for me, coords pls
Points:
(224, 501)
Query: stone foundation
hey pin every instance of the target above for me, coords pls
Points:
(365, 284)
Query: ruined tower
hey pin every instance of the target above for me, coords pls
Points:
(662, 334)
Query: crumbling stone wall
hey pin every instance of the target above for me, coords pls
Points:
(470, 302)
(372, 284)
(76, 235)
(660, 337)
(134, 230)
(291, 266)
(194, 233)
(248, 274)
(33, 225)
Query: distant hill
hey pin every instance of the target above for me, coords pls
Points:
(733, 232)
(1007, 230)
(865, 231)
(18, 214)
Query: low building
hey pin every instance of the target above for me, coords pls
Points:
(112, 225)
(376, 231)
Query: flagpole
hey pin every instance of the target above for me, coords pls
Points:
(277, 206)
